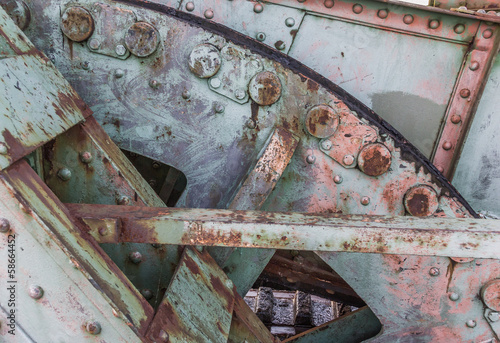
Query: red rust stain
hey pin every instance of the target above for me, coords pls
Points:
(191, 265)
(375, 162)
(312, 86)
(222, 292)
(418, 205)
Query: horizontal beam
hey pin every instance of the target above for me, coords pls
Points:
(456, 237)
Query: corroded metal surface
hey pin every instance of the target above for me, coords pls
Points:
(77, 24)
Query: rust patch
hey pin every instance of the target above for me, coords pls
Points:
(374, 159)
(312, 86)
(421, 201)
(191, 265)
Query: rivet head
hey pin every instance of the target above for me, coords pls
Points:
(93, 327)
(258, 8)
(328, 3)
(204, 61)
(440, 169)
(455, 119)
(493, 316)
(447, 145)
(487, 33)
(474, 65)
(229, 284)
(147, 294)
(135, 257)
(421, 201)
(357, 8)
(94, 44)
(337, 179)
(490, 293)
(215, 83)
(348, 160)
(374, 159)
(119, 73)
(383, 14)
(120, 50)
(239, 94)
(465, 93)
(454, 296)
(459, 28)
(471, 323)
(219, 108)
(434, 271)
(365, 201)
(261, 36)
(64, 174)
(322, 121)
(290, 22)
(103, 231)
(142, 39)
(77, 24)
(86, 65)
(163, 336)
(311, 159)
(190, 6)
(280, 45)
(123, 200)
(154, 84)
(209, 14)
(408, 19)
(3, 149)
(326, 144)
(434, 24)
(265, 88)
(186, 94)
(155, 165)
(251, 124)
(86, 157)
(4, 225)
(35, 292)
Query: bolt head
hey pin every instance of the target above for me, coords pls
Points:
(86, 65)
(348, 160)
(357, 8)
(326, 144)
(280, 45)
(434, 271)
(123, 200)
(261, 36)
(190, 6)
(93, 327)
(311, 159)
(239, 94)
(209, 14)
(290, 22)
(465, 93)
(186, 94)
(454, 296)
(258, 8)
(154, 84)
(337, 179)
(135, 257)
(251, 124)
(494, 316)
(119, 73)
(120, 50)
(365, 201)
(147, 294)
(408, 19)
(3, 149)
(265, 88)
(4, 225)
(64, 174)
(94, 44)
(156, 165)
(215, 82)
(163, 336)
(86, 157)
(328, 3)
(35, 292)
(471, 323)
(219, 108)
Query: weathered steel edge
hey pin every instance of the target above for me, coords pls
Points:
(299, 68)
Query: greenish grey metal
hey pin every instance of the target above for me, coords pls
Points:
(353, 327)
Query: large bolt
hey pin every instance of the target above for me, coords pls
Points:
(374, 159)
(421, 201)
(4, 225)
(322, 121)
(77, 24)
(204, 61)
(35, 292)
(490, 293)
(265, 88)
(135, 257)
(434, 271)
(93, 327)
(18, 11)
(142, 39)
(64, 174)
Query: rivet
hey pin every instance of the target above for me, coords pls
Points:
(487, 33)
(447, 145)
(261, 36)
(229, 284)
(103, 231)
(455, 119)
(408, 19)
(280, 45)
(199, 248)
(326, 144)
(215, 83)
(251, 124)
(465, 93)
(147, 294)
(357, 8)
(155, 165)
(219, 108)
(471, 323)
(120, 50)
(64, 174)
(4, 225)
(459, 28)
(94, 44)
(154, 84)
(474, 65)
(123, 200)
(239, 94)
(93, 327)
(434, 23)
(209, 14)
(382, 14)
(163, 336)
(86, 65)
(119, 73)
(152, 183)
(86, 157)
(311, 159)
(493, 316)
(186, 94)
(328, 3)
(365, 201)
(337, 179)
(3, 149)
(35, 292)
(440, 169)
(434, 271)
(348, 160)
(135, 257)
(290, 22)
(190, 6)
(454, 296)
(258, 8)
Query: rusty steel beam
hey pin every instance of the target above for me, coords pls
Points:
(462, 237)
